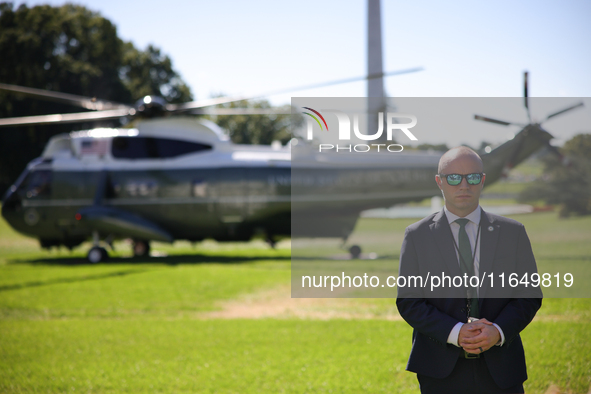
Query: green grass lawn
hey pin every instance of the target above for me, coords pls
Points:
(131, 325)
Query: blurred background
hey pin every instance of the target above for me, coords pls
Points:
(184, 50)
(219, 317)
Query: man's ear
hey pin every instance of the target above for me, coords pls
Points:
(482, 183)
(438, 181)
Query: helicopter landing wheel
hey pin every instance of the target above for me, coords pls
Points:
(355, 251)
(271, 241)
(96, 254)
(141, 248)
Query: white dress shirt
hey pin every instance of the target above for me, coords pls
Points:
(472, 231)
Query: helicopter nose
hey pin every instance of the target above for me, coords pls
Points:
(11, 204)
(11, 207)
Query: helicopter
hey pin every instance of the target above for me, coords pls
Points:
(174, 178)
(204, 163)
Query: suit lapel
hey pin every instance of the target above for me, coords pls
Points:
(489, 236)
(445, 243)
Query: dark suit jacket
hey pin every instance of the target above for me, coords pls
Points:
(428, 247)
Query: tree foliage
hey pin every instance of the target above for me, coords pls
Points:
(69, 49)
(149, 72)
(568, 183)
(255, 129)
(66, 49)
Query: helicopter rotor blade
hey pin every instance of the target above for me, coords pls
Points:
(66, 98)
(111, 110)
(66, 118)
(565, 110)
(526, 94)
(241, 111)
(501, 122)
(203, 103)
(224, 100)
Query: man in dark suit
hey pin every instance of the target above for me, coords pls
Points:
(466, 339)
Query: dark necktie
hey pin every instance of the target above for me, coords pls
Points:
(467, 264)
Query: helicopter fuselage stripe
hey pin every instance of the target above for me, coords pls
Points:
(228, 199)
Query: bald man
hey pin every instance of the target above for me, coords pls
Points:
(466, 339)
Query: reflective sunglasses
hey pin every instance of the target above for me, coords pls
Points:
(456, 179)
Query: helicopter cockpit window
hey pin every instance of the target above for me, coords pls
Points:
(153, 148)
(36, 184)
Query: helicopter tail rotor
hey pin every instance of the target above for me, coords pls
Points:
(491, 120)
(564, 110)
(532, 127)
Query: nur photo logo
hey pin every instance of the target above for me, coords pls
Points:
(393, 122)
(315, 118)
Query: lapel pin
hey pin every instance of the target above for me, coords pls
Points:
(490, 228)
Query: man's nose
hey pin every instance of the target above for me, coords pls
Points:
(464, 184)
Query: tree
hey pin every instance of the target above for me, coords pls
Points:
(150, 73)
(567, 184)
(255, 129)
(69, 49)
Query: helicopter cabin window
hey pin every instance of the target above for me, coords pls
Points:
(37, 184)
(153, 148)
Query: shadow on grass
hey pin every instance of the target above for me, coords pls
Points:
(345, 257)
(70, 280)
(168, 260)
(113, 261)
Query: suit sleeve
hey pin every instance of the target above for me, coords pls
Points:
(520, 311)
(416, 310)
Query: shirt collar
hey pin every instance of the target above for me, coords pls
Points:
(474, 216)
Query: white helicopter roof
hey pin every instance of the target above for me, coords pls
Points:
(93, 146)
(185, 128)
